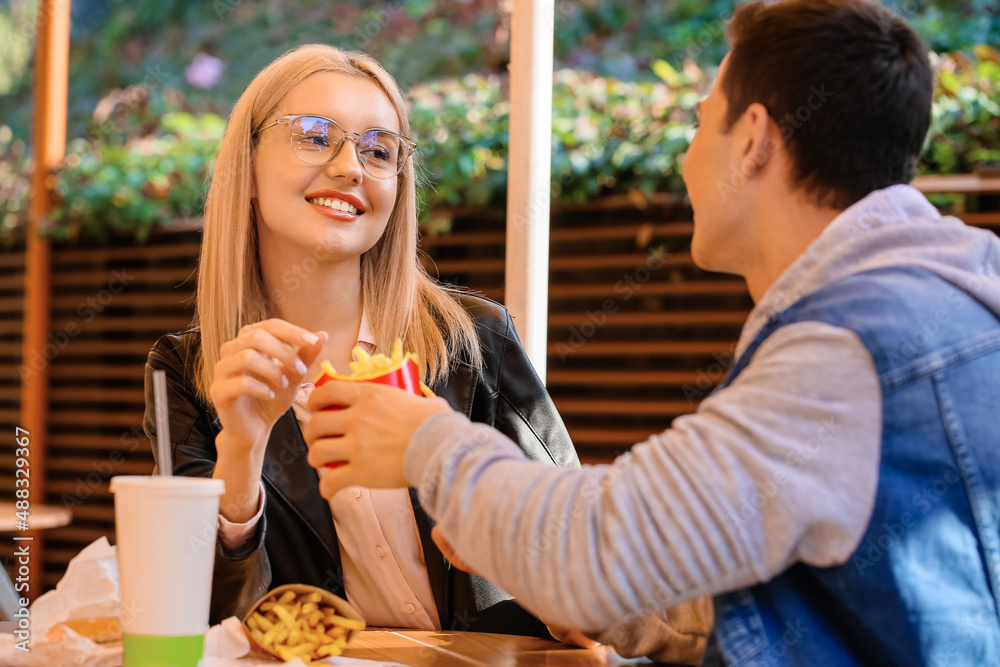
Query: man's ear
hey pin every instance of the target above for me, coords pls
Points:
(760, 140)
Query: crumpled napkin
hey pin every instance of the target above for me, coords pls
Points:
(90, 588)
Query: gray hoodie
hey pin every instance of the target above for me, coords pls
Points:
(778, 468)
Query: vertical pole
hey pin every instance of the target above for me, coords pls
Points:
(49, 141)
(526, 293)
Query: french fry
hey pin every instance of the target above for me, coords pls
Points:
(349, 623)
(328, 650)
(294, 622)
(366, 366)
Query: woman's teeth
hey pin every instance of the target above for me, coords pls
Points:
(335, 204)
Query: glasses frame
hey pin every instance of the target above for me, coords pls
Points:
(409, 146)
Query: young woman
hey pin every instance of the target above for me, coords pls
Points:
(309, 250)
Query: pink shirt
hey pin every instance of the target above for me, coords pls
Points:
(385, 575)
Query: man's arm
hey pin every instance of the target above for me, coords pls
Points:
(780, 467)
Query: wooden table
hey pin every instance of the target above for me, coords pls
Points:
(39, 516)
(419, 648)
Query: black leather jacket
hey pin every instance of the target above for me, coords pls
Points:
(297, 531)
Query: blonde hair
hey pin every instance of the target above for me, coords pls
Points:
(400, 299)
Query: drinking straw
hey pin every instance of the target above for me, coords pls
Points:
(166, 465)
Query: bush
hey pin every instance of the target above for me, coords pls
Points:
(118, 43)
(128, 188)
(608, 136)
(965, 127)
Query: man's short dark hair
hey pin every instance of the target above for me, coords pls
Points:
(848, 83)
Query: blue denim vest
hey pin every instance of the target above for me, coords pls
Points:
(923, 586)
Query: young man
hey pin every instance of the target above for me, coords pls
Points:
(839, 494)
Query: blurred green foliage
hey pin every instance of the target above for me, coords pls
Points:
(609, 136)
(965, 126)
(147, 117)
(120, 43)
(112, 187)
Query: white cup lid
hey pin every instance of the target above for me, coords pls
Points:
(174, 485)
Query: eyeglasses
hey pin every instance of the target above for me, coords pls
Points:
(316, 140)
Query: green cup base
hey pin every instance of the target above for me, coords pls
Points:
(159, 651)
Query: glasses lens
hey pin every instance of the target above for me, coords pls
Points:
(380, 152)
(316, 140)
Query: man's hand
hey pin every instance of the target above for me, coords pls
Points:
(571, 637)
(565, 635)
(363, 429)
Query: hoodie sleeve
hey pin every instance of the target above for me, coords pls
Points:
(779, 467)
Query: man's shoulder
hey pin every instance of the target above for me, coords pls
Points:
(884, 295)
(902, 314)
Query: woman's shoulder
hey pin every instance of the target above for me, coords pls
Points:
(492, 320)
(176, 348)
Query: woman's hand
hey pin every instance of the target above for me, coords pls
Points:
(255, 383)
(368, 437)
(257, 378)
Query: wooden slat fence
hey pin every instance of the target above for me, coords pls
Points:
(637, 336)
(109, 305)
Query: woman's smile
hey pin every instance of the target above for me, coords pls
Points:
(336, 205)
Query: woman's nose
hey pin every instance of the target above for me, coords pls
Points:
(346, 164)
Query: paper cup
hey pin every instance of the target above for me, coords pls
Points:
(166, 530)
